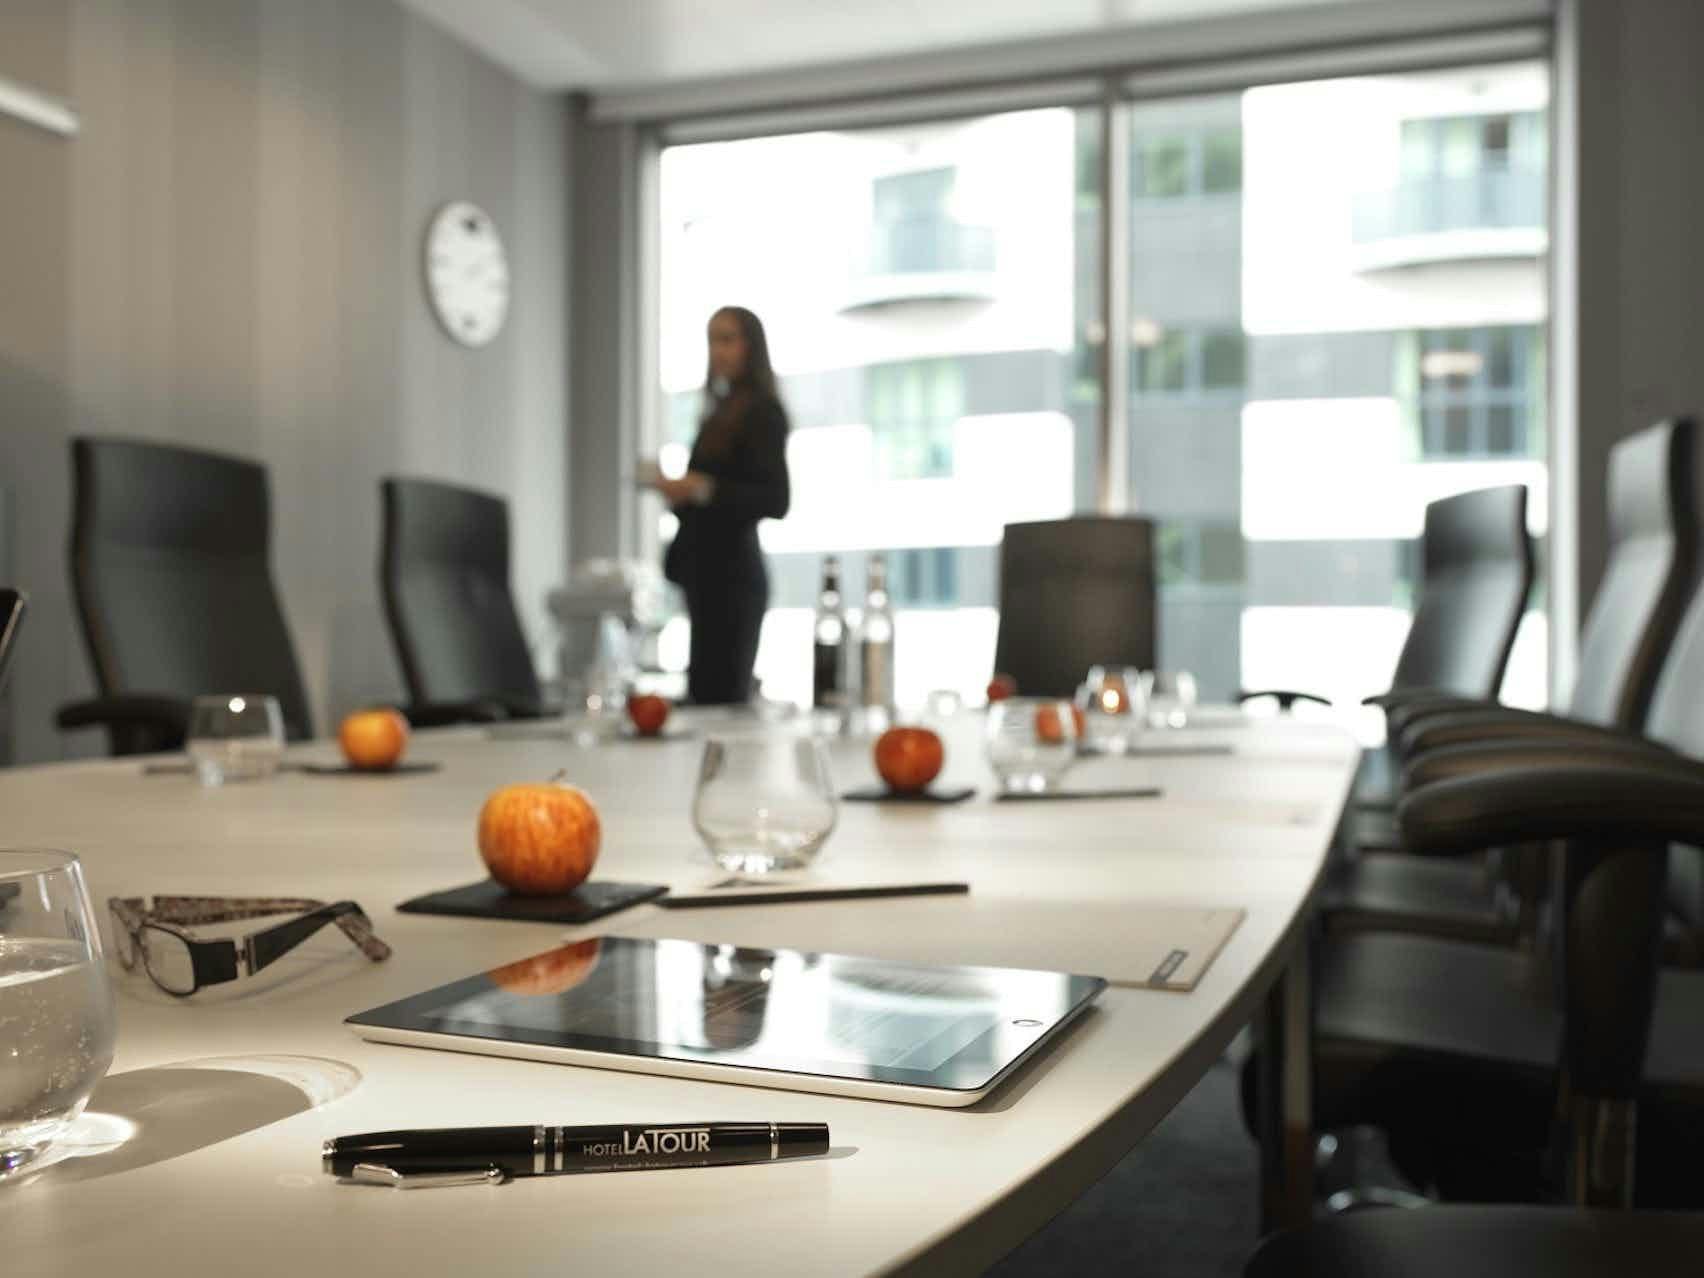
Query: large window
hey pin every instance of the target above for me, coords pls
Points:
(929, 294)
(1337, 313)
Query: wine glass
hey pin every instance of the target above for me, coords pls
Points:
(56, 1013)
(235, 738)
(1171, 697)
(1114, 705)
(1031, 742)
(764, 803)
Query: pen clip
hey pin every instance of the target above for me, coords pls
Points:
(376, 1174)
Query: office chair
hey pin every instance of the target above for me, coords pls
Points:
(1074, 593)
(171, 572)
(1450, 1046)
(1650, 575)
(1487, 1242)
(444, 573)
(1476, 566)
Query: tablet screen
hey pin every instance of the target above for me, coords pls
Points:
(789, 1010)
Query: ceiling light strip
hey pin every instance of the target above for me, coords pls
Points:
(27, 105)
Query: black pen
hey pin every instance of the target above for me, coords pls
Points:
(465, 1155)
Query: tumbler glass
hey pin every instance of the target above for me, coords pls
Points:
(235, 737)
(764, 803)
(57, 1025)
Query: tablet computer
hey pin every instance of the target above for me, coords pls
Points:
(791, 1019)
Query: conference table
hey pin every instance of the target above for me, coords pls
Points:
(200, 1150)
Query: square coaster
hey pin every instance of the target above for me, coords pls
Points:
(490, 900)
(346, 770)
(881, 794)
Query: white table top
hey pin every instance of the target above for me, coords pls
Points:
(221, 1171)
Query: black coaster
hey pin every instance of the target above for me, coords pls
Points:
(490, 900)
(630, 733)
(881, 794)
(348, 770)
(168, 769)
(1167, 751)
(1059, 796)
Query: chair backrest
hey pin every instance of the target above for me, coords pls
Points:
(444, 568)
(1476, 570)
(1649, 578)
(1074, 593)
(170, 566)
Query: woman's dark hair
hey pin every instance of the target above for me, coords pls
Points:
(756, 382)
(758, 374)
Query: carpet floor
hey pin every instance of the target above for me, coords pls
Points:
(1183, 1204)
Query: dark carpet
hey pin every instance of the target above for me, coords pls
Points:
(1182, 1204)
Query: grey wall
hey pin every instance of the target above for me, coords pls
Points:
(227, 256)
(1629, 257)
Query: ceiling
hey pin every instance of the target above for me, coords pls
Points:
(628, 44)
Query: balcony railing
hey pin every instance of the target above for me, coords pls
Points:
(924, 257)
(1505, 200)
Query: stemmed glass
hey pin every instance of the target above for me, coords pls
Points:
(56, 1014)
(1031, 742)
(235, 737)
(764, 804)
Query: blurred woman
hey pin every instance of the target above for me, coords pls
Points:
(737, 475)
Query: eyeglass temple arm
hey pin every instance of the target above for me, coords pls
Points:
(191, 910)
(270, 944)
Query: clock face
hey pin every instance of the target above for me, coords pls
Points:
(467, 274)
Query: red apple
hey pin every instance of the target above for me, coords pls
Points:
(909, 758)
(1049, 727)
(1002, 686)
(554, 972)
(649, 712)
(539, 840)
(373, 740)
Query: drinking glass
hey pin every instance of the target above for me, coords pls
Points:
(56, 1013)
(235, 737)
(1114, 702)
(764, 803)
(1031, 741)
(1171, 696)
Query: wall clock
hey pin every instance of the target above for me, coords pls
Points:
(467, 273)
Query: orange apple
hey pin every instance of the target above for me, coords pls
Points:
(539, 840)
(1049, 728)
(1002, 686)
(373, 740)
(649, 712)
(909, 758)
(554, 972)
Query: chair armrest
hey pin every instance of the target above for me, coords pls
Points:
(439, 714)
(1423, 705)
(1286, 697)
(1394, 697)
(1483, 757)
(1615, 802)
(1499, 723)
(129, 710)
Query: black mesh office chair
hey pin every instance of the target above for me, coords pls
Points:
(444, 569)
(171, 571)
(1650, 575)
(1074, 593)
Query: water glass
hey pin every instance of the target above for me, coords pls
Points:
(1171, 698)
(1114, 702)
(56, 1014)
(1031, 742)
(235, 737)
(764, 803)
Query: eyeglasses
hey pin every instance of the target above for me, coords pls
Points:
(181, 964)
